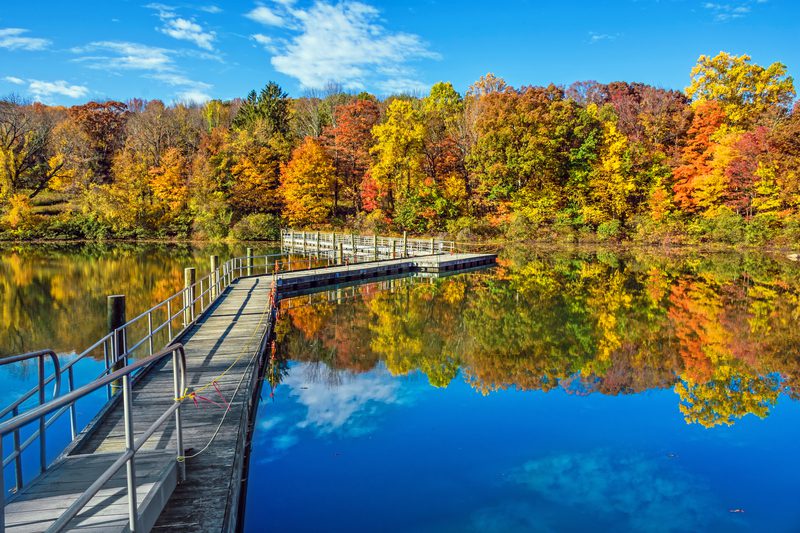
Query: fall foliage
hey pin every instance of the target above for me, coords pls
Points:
(718, 162)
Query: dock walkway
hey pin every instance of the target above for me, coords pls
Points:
(224, 347)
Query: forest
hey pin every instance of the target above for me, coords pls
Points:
(716, 163)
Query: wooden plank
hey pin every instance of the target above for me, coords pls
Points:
(44, 500)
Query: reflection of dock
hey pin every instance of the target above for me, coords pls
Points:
(150, 458)
(335, 275)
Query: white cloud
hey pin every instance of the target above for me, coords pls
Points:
(155, 63)
(726, 11)
(343, 42)
(334, 408)
(214, 10)
(14, 80)
(595, 37)
(402, 86)
(45, 89)
(14, 39)
(120, 55)
(266, 16)
(183, 29)
(187, 30)
(193, 97)
(268, 43)
(179, 80)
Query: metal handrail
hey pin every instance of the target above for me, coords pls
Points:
(16, 456)
(132, 445)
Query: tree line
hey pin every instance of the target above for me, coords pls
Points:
(719, 161)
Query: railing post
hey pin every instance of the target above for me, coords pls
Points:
(341, 254)
(169, 320)
(354, 250)
(150, 345)
(394, 249)
(73, 416)
(249, 261)
(214, 261)
(177, 372)
(133, 513)
(18, 458)
(189, 280)
(317, 243)
(116, 319)
(405, 244)
(433, 245)
(304, 242)
(375, 246)
(42, 426)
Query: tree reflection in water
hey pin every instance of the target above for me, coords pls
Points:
(719, 329)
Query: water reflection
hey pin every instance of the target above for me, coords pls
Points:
(54, 296)
(718, 329)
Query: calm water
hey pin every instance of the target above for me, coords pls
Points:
(55, 297)
(558, 392)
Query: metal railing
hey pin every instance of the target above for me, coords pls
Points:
(19, 446)
(369, 246)
(168, 318)
(132, 444)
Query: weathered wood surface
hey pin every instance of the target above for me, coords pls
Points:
(44, 500)
(231, 330)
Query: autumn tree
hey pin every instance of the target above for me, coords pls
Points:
(697, 155)
(255, 172)
(398, 152)
(103, 124)
(746, 92)
(169, 183)
(306, 184)
(349, 143)
(28, 161)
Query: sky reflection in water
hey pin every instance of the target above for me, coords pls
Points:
(558, 392)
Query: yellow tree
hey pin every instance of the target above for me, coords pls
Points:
(610, 183)
(169, 183)
(398, 151)
(255, 171)
(306, 182)
(745, 91)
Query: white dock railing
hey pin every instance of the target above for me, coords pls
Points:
(360, 247)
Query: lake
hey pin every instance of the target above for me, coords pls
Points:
(563, 390)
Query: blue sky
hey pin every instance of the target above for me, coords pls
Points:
(71, 52)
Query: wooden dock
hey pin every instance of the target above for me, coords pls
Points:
(225, 347)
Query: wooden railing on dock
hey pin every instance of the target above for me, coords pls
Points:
(361, 247)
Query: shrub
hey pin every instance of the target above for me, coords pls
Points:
(726, 226)
(609, 230)
(761, 229)
(258, 227)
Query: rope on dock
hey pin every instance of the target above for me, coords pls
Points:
(193, 393)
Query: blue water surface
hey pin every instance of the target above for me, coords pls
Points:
(379, 453)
